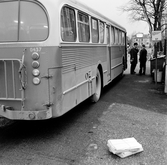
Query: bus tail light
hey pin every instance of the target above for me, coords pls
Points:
(35, 72)
(36, 81)
(35, 56)
(35, 64)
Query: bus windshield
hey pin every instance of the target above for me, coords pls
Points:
(25, 23)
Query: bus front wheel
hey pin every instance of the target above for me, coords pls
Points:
(96, 96)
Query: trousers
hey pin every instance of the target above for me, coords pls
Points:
(142, 68)
(132, 68)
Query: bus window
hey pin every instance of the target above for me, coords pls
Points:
(33, 22)
(120, 37)
(108, 35)
(95, 31)
(101, 32)
(112, 35)
(8, 21)
(116, 36)
(68, 25)
(123, 38)
(83, 27)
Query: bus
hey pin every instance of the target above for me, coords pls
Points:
(54, 54)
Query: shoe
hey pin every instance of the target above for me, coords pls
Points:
(133, 73)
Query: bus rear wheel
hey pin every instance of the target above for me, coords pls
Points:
(96, 96)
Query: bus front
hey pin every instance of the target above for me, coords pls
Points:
(24, 61)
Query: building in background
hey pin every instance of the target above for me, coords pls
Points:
(141, 38)
(145, 39)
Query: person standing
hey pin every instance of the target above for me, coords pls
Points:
(142, 60)
(133, 58)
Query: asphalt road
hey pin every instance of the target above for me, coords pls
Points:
(132, 106)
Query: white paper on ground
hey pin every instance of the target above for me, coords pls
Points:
(124, 147)
(128, 153)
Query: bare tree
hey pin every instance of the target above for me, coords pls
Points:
(151, 11)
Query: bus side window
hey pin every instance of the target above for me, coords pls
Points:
(123, 38)
(68, 25)
(116, 36)
(112, 35)
(120, 37)
(95, 31)
(108, 34)
(101, 32)
(83, 27)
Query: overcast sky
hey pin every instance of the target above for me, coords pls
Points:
(110, 8)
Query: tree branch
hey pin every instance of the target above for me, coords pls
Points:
(150, 11)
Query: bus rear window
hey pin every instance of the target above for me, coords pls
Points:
(8, 21)
(30, 25)
(33, 22)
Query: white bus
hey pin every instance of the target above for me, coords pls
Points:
(54, 54)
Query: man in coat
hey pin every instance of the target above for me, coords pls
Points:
(143, 59)
(133, 58)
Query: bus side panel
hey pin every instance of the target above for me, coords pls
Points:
(63, 83)
(55, 86)
(77, 82)
(125, 53)
(87, 59)
(69, 91)
(116, 61)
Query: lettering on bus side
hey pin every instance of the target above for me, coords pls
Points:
(88, 75)
(36, 49)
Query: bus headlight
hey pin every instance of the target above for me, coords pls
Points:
(35, 72)
(36, 80)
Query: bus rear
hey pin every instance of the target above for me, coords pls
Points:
(24, 62)
(54, 55)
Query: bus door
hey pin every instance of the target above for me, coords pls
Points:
(108, 54)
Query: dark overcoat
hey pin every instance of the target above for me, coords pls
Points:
(133, 55)
(143, 56)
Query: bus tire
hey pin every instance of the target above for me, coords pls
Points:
(98, 87)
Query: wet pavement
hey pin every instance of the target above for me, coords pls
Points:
(133, 106)
(138, 110)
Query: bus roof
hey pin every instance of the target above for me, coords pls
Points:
(83, 7)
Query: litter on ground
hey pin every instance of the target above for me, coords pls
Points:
(124, 147)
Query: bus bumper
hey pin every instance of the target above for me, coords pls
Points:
(25, 115)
